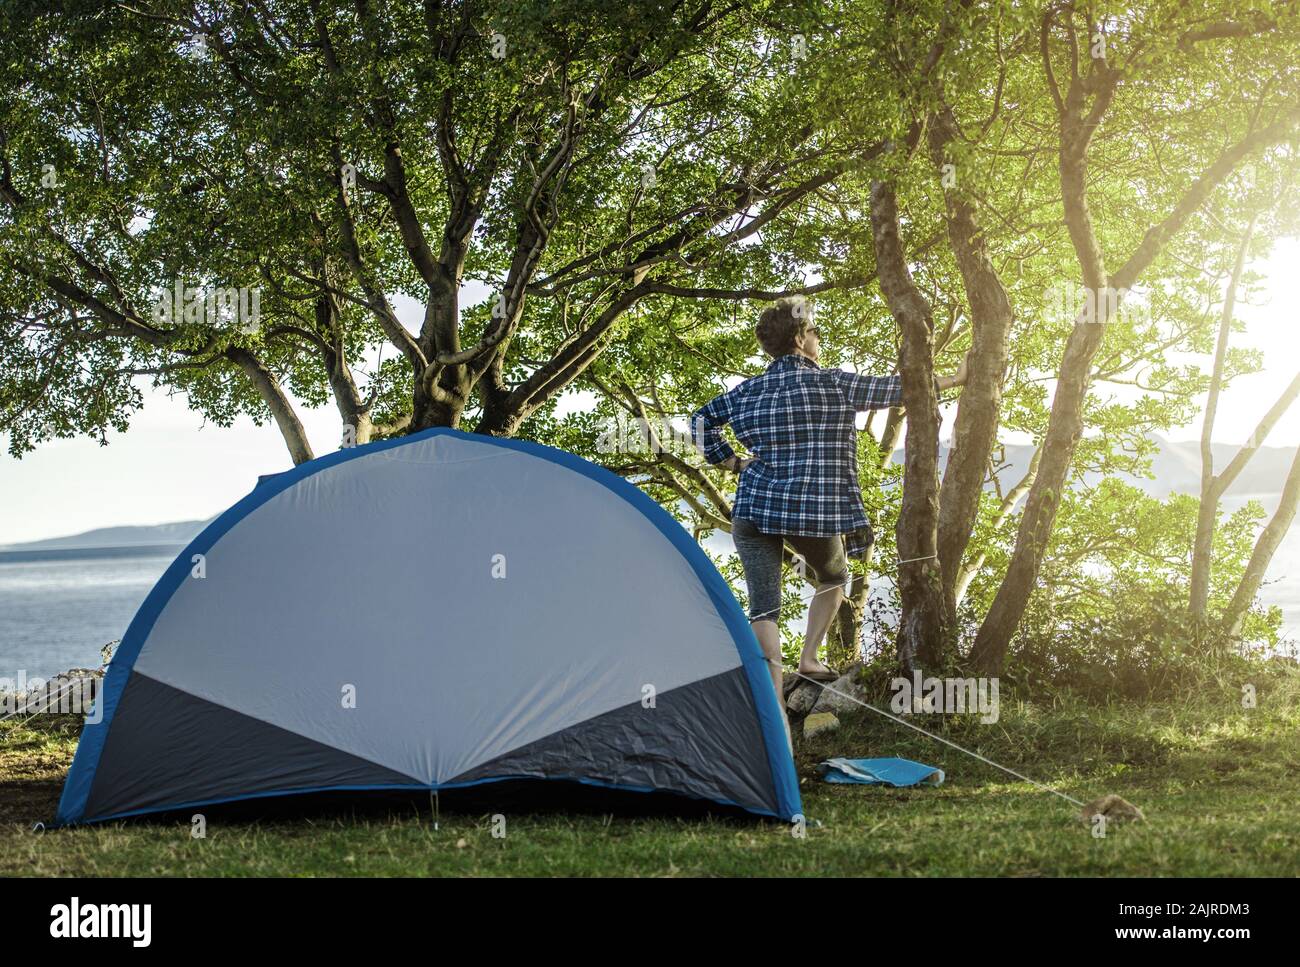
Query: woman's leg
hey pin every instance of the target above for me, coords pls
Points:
(829, 564)
(760, 556)
(768, 634)
(821, 612)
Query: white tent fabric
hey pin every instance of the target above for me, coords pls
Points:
(435, 611)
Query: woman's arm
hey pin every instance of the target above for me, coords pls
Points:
(706, 426)
(882, 392)
(868, 392)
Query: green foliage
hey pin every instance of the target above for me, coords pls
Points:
(1109, 616)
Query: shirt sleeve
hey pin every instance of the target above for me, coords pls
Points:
(869, 392)
(706, 426)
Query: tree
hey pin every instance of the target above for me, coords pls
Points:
(582, 161)
(1213, 486)
(1265, 548)
(1090, 93)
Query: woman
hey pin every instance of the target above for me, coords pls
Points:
(801, 484)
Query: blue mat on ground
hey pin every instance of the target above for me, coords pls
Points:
(888, 772)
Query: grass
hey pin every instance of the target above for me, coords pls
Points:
(1217, 782)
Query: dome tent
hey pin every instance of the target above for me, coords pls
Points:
(432, 612)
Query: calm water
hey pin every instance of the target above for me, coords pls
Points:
(59, 608)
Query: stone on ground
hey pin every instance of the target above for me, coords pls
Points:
(829, 701)
(821, 722)
(1112, 807)
(803, 697)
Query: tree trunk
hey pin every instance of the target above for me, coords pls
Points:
(1202, 547)
(921, 632)
(1009, 504)
(1064, 429)
(440, 393)
(1202, 550)
(1208, 512)
(1065, 424)
(1265, 548)
(268, 387)
(434, 408)
(353, 411)
(979, 410)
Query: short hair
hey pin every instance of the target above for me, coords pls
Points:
(780, 323)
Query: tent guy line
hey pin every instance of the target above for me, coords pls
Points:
(913, 560)
(937, 738)
(802, 600)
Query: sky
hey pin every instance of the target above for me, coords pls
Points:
(169, 466)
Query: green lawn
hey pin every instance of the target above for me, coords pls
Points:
(1218, 784)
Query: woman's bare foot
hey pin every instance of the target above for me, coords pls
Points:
(815, 670)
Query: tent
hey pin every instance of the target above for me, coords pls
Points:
(433, 612)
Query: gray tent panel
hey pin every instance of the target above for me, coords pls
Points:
(700, 740)
(168, 749)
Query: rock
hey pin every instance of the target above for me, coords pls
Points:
(1112, 807)
(803, 697)
(815, 725)
(829, 701)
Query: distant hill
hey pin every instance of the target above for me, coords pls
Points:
(180, 532)
(1176, 469)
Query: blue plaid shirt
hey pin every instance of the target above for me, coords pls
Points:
(797, 420)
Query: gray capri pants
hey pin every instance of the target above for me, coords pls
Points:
(760, 555)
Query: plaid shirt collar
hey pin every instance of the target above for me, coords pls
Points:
(791, 361)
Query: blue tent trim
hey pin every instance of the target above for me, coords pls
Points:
(408, 787)
(76, 790)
